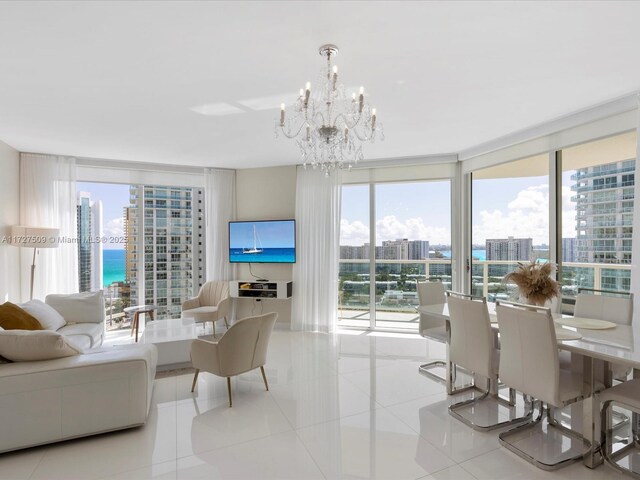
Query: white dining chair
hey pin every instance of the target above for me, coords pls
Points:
(432, 327)
(627, 395)
(600, 306)
(529, 363)
(472, 346)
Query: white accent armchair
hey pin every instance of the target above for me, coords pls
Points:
(242, 348)
(211, 304)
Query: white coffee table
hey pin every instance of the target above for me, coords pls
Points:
(173, 339)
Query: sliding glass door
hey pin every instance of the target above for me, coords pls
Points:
(380, 266)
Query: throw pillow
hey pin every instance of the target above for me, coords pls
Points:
(48, 317)
(28, 346)
(12, 317)
(86, 307)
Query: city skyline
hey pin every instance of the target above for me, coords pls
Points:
(502, 207)
(114, 198)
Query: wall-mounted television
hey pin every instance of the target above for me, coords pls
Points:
(262, 241)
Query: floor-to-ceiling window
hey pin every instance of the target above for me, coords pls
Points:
(410, 242)
(598, 181)
(142, 244)
(510, 222)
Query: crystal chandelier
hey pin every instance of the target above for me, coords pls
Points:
(328, 125)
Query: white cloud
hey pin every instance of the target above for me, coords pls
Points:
(527, 216)
(390, 228)
(114, 230)
(353, 233)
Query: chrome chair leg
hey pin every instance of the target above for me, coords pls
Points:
(454, 410)
(610, 457)
(424, 370)
(505, 436)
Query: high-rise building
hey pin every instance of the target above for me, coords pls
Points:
(402, 249)
(604, 212)
(569, 249)
(165, 231)
(89, 221)
(511, 249)
(395, 249)
(350, 252)
(418, 250)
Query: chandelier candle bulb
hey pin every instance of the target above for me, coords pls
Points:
(373, 118)
(335, 76)
(361, 99)
(282, 106)
(307, 94)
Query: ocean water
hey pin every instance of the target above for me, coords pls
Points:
(479, 254)
(113, 267)
(268, 255)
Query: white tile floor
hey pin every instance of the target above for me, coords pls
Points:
(348, 406)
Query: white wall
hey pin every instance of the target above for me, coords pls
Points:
(266, 194)
(9, 215)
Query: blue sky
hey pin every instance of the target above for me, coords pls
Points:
(115, 197)
(501, 207)
(270, 234)
(416, 210)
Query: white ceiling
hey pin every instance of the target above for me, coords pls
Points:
(120, 80)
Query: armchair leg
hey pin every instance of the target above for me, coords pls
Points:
(195, 380)
(229, 388)
(213, 327)
(264, 377)
(226, 324)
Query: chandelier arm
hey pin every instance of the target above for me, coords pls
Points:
(318, 119)
(366, 137)
(345, 119)
(289, 135)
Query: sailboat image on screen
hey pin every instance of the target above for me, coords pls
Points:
(262, 241)
(255, 250)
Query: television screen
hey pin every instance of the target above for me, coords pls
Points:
(264, 241)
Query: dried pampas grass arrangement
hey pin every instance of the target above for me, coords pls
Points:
(534, 281)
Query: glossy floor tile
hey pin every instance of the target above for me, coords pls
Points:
(350, 405)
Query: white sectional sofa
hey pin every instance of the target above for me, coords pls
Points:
(85, 317)
(103, 389)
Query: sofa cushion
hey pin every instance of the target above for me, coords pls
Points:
(12, 317)
(28, 345)
(79, 307)
(90, 331)
(48, 317)
(81, 341)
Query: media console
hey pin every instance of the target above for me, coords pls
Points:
(277, 289)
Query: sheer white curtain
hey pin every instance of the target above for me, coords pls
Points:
(315, 275)
(48, 199)
(220, 208)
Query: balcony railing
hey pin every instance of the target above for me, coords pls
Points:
(395, 285)
(580, 175)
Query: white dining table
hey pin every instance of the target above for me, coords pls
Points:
(617, 345)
